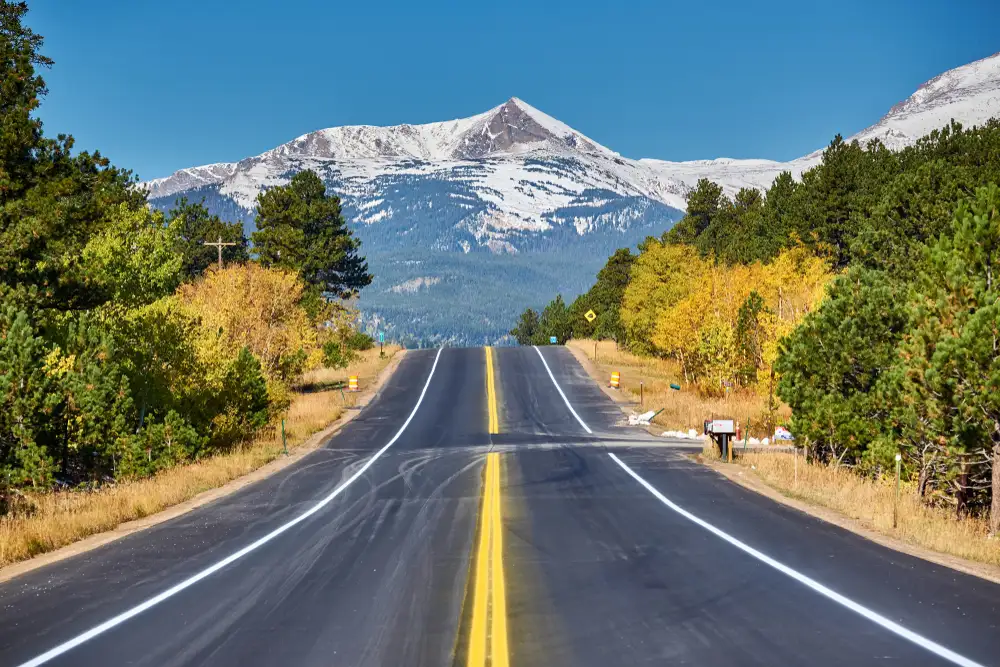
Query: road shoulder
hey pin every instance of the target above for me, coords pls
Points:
(620, 399)
(747, 479)
(298, 453)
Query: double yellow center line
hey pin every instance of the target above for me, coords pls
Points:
(488, 636)
(491, 393)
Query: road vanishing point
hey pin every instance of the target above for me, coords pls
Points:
(486, 509)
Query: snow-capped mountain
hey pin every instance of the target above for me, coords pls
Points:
(536, 205)
(969, 94)
(518, 184)
(519, 170)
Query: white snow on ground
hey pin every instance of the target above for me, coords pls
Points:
(690, 434)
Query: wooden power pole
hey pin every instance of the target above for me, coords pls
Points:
(218, 244)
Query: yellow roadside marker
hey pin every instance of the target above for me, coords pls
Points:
(491, 393)
(488, 635)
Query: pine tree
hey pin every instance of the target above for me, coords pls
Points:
(832, 366)
(21, 91)
(604, 298)
(26, 404)
(555, 321)
(526, 331)
(192, 226)
(952, 355)
(301, 228)
(703, 204)
(51, 201)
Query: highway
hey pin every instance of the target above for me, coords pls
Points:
(486, 509)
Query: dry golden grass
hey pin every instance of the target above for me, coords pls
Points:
(684, 409)
(870, 501)
(61, 518)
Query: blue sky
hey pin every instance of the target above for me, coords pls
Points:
(165, 85)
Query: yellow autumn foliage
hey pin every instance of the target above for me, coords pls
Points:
(250, 306)
(662, 275)
(683, 306)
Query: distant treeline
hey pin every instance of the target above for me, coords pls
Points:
(866, 294)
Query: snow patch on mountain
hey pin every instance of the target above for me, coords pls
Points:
(414, 285)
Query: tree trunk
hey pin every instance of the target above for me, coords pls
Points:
(925, 474)
(995, 489)
(963, 486)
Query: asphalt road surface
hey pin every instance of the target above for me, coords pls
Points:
(487, 509)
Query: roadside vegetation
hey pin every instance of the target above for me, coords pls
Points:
(863, 298)
(135, 367)
(682, 409)
(869, 500)
(63, 517)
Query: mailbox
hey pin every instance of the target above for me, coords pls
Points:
(721, 427)
(721, 430)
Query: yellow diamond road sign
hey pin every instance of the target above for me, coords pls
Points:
(590, 315)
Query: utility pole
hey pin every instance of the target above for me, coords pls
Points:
(218, 244)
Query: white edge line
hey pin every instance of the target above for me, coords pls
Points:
(190, 581)
(873, 616)
(559, 389)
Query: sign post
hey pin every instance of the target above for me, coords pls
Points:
(895, 505)
(381, 342)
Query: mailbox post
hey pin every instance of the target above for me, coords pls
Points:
(722, 432)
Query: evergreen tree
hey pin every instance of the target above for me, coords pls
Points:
(605, 299)
(21, 91)
(192, 226)
(833, 365)
(951, 358)
(51, 201)
(739, 232)
(26, 393)
(526, 331)
(835, 195)
(301, 228)
(703, 204)
(555, 321)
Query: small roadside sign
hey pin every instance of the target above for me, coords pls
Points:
(590, 315)
(553, 340)
(381, 337)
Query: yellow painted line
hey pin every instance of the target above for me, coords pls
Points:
(499, 654)
(480, 599)
(491, 393)
(488, 635)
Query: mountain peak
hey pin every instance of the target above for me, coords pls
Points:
(516, 127)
